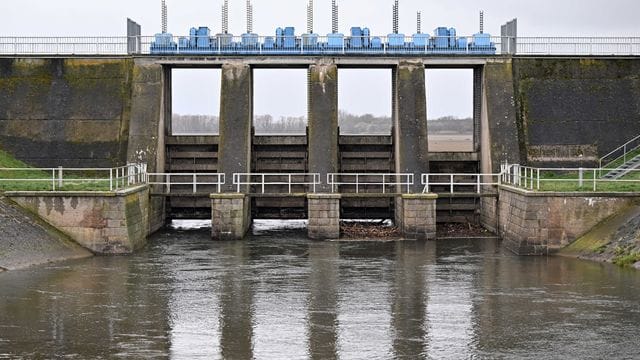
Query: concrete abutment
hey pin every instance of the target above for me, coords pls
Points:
(230, 216)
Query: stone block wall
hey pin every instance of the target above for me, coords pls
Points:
(324, 216)
(416, 215)
(230, 216)
(489, 213)
(533, 223)
(103, 222)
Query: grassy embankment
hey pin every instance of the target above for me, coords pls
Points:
(29, 179)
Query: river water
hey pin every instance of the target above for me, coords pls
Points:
(280, 296)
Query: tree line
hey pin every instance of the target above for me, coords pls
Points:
(349, 124)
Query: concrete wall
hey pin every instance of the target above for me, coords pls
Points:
(531, 223)
(26, 240)
(105, 223)
(572, 111)
(65, 112)
(324, 216)
(230, 216)
(415, 216)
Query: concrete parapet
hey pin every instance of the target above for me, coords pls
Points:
(107, 223)
(416, 215)
(533, 223)
(230, 216)
(324, 216)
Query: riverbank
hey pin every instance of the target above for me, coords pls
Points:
(26, 240)
(615, 240)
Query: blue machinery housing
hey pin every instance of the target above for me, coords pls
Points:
(360, 42)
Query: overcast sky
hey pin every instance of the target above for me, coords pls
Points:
(535, 18)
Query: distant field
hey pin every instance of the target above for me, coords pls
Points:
(445, 143)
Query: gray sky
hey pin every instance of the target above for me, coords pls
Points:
(535, 18)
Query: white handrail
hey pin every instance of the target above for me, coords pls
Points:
(194, 181)
(427, 181)
(383, 179)
(625, 152)
(270, 179)
(118, 177)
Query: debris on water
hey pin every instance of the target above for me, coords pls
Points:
(452, 230)
(369, 230)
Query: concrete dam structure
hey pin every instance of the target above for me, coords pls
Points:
(106, 111)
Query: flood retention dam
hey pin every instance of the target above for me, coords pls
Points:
(531, 110)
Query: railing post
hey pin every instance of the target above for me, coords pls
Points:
(195, 184)
(262, 183)
(538, 179)
(580, 178)
(111, 179)
(357, 183)
(595, 181)
(289, 183)
(478, 181)
(60, 175)
(451, 178)
(383, 184)
(168, 178)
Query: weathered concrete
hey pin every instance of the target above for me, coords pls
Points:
(230, 216)
(532, 223)
(410, 120)
(572, 111)
(236, 119)
(324, 216)
(415, 216)
(70, 112)
(103, 222)
(26, 240)
(499, 130)
(323, 120)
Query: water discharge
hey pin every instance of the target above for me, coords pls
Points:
(278, 295)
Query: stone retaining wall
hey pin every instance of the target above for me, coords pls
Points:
(415, 216)
(324, 216)
(103, 222)
(230, 216)
(532, 223)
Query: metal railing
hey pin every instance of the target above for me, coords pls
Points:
(568, 179)
(364, 180)
(193, 180)
(288, 180)
(72, 179)
(305, 45)
(620, 153)
(453, 181)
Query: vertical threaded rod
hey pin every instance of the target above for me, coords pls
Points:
(334, 17)
(395, 17)
(249, 17)
(164, 17)
(419, 23)
(225, 17)
(481, 22)
(310, 17)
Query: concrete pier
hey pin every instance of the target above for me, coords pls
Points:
(324, 216)
(416, 216)
(236, 119)
(323, 120)
(230, 216)
(410, 120)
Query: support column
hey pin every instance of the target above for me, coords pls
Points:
(236, 119)
(323, 121)
(230, 216)
(416, 215)
(324, 216)
(410, 121)
(477, 107)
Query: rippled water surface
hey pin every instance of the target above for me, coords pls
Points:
(280, 296)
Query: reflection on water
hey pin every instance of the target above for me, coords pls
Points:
(278, 295)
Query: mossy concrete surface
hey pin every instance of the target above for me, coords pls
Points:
(616, 239)
(65, 112)
(26, 240)
(572, 111)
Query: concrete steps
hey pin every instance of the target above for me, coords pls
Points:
(624, 169)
